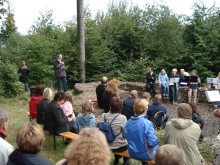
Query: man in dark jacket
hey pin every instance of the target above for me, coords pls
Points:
(150, 81)
(100, 89)
(127, 108)
(55, 119)
(24, 72)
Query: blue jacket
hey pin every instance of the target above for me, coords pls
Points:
(127, 108)
(84, 120)
(154, 108)
(163, 79)
(142, 141)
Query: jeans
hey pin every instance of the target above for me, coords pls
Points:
(174, 91)
(26, 86)
(165, 90)
(62, 80)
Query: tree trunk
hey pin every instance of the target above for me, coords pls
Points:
(81, 36)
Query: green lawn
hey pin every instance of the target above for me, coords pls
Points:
(17, 108)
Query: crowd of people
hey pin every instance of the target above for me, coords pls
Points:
(132, 121)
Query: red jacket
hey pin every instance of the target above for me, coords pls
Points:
(33, 105)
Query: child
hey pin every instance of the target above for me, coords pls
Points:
(139, 132)
(86, 118)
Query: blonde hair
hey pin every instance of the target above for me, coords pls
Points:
(134, 94)
(163, 71)
(89, 148)
(112, 88)
(87, 107)
(170, 154)
(47, 94)
(140, 106)
(184, 111)
(30, 138)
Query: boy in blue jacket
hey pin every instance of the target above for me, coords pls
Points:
(139, 132)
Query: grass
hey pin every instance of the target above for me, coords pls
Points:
(18, 106)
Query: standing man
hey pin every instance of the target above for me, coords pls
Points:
(23, 71)
(100, 89)
(5, 148)
(150, 81)
(60, 73)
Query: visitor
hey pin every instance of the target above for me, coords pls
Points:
(140, 135)
(156, 107)
(30, 140)
(146, 96)
(60, 73)
(117, 121)
(90, 148)
(196, 118)
(42, 105)
(24, 72)
(36, 97)
(150, 81)
(174, 86)
(193, 87)
(164, 83)
(128, 103)
(184, 133)
(55, 119)
(86, 118)
(169, 154)
(5, 148)
(100, 89)
(111, 91)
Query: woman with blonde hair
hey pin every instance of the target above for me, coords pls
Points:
(111, 91)
(30, 140)
(89, 148)
(42, 105)
(86, 118)
(164, 83)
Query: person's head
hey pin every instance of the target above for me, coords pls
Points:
(115, 105)
(87, 107)
(69, 97)
(140, 106)
(30, 138)
(89, 148)
(194, 72)
(163, 71)
(39, 90)
(59, 97)
(194, 107)
(104, 80)
(184, 111)
(174, 71)
(3, 120)
(60, 57)
(151, 69)
(182, 71)
(23, 63)
(158, 98)
(47, 94)
(170, 154)
(146, 95)
(112, 88)
(134, 94)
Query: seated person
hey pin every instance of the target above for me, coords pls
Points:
(35, 98)
(139, 132)
(86, 118)
(169, 154)
(30, 140)
(118, 123)
(100, 89)
(55, 119)
(90, 148)
(42, 105)
(155, 107)
(127, 108)
(6, 148)
(184, 133)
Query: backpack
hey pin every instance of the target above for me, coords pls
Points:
(106, 128)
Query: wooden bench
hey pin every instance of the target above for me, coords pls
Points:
(126, 154)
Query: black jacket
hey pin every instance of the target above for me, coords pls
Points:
(150, 78)
(106, 98)
(55, 119)
(19, 158)
(100, 89)
(127, 108)
(41, 108)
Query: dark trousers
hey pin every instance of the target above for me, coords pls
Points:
(117, 157)
(63, 81)
(150, 87)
